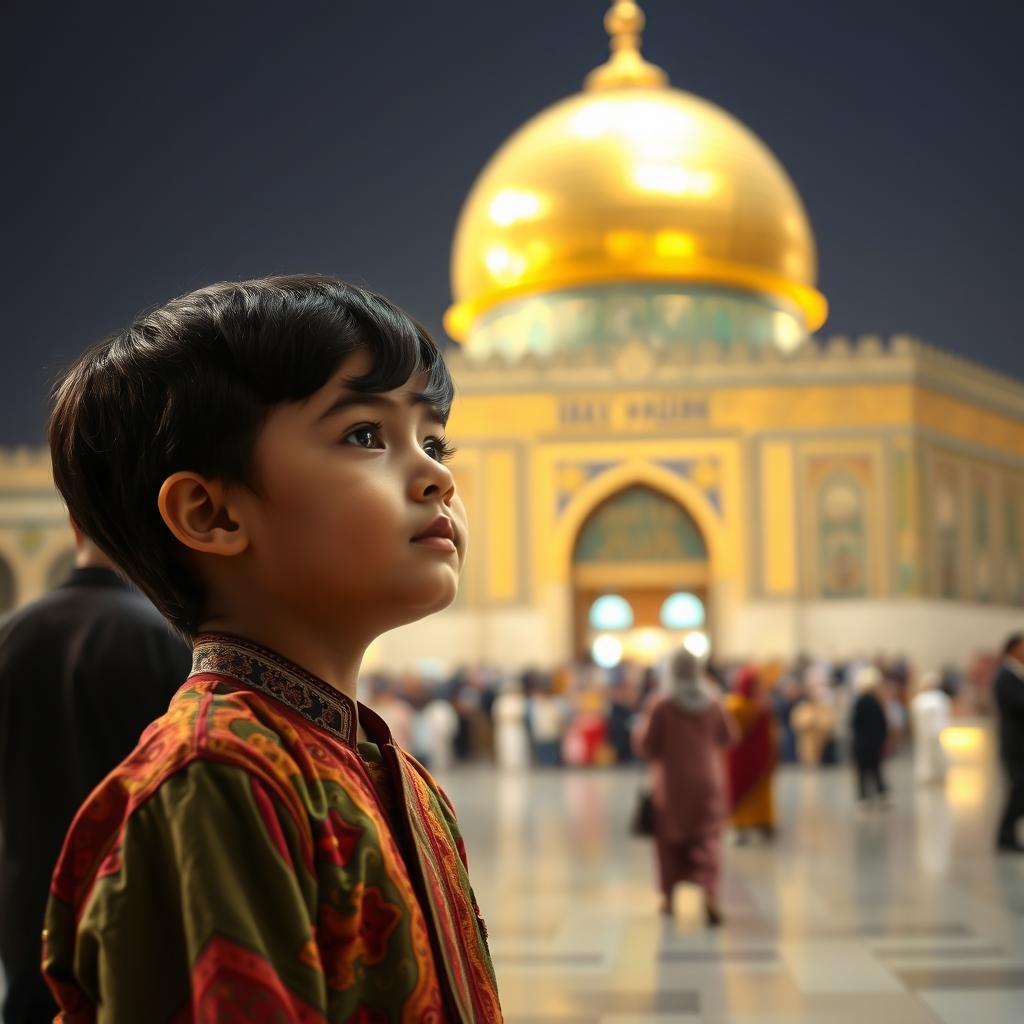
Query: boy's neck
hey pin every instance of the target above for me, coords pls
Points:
(336, 661)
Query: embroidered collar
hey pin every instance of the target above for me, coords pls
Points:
(276, 676)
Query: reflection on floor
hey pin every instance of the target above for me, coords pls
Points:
(893, 917)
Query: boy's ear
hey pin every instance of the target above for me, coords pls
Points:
(197, 511)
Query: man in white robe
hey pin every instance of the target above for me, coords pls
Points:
(930, 715)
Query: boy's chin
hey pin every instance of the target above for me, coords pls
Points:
(426, 602)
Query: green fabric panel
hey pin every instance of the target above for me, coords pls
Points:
(196, 861)
(383, 986)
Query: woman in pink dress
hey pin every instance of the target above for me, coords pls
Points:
(682, 733)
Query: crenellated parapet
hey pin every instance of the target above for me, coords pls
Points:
(710, 364)
(25, 457)
(25, 470)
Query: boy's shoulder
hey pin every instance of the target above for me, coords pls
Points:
(209, 722)
(215, 720)
(206, 723)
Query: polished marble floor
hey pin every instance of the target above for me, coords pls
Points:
(902, 916)
(897, 917)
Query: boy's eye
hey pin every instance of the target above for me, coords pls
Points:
(365, 436)
(438, 448)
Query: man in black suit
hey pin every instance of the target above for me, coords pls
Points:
(83, 671)
(1008, 688)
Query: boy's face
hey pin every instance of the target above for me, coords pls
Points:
(354, 523)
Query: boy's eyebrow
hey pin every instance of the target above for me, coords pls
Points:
(350, 398)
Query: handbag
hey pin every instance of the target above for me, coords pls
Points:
(642, 822)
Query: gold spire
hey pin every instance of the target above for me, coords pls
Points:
(626, 67)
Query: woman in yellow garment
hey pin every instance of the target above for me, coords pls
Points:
(750, 764)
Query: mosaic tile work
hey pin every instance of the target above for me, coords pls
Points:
(898, 917)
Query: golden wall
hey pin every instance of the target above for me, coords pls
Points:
(845, 476)
(851, 474)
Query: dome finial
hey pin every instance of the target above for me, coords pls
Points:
(626, 67)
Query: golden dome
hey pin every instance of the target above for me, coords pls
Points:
(631, 180)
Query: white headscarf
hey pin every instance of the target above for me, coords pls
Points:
(682, 680)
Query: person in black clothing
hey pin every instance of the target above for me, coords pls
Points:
(83, 671)
(1008, 688)
(869, 729)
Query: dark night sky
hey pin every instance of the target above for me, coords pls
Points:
(160, 146)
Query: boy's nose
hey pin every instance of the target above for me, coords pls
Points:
(438, 484)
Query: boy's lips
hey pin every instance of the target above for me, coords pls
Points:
(439, 534)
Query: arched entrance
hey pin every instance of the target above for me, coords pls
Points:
(640, 577)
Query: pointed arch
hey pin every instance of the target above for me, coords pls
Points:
(597, 491)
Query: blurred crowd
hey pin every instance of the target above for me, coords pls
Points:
(581, 714)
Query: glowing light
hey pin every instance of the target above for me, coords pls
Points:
(646, 646)
(673, 180)
(505, 266)
(511, 205)
(697, 644)
(592, 121)
(787, 331)
(682, 611)
(607, 651)
(647, 124)
(611, 612)
(963, 739)
(498, 259)
(674, 245)
(649, 643)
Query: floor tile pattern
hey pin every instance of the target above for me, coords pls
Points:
(903, 916)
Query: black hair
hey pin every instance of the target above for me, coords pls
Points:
(1011, 641)
(189, 385)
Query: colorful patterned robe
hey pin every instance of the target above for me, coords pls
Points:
(250, 862)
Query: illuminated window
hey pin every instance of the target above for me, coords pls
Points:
(682, 611)
(611, 612)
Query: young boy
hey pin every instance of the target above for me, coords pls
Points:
(266, 460)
